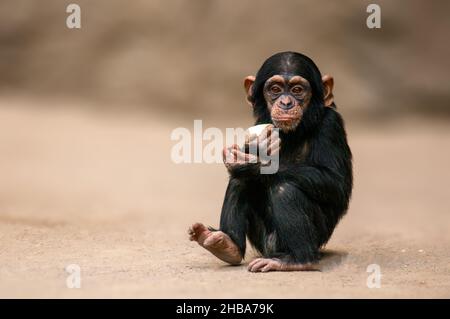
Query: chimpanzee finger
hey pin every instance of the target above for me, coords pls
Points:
(229, 156)
(242, 157)
(269, 267)
(267, 130)
(265, 134)
(257, 265)
(274, 147)
(274, 135)
(254, 261)
(274, 151)
(250, 138)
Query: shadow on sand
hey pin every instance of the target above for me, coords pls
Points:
(330, 259)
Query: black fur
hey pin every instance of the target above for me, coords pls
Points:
(292, 213)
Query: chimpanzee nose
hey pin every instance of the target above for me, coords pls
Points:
(286, 103)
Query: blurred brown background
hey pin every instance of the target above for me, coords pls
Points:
(191, 56)
(86, 115)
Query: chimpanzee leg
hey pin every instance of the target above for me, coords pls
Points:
(235, 210)
(291, 214)
(228, 243)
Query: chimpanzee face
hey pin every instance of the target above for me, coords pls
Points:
(287, 97)
(289, 91)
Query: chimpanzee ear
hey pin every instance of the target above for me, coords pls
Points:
(248, 86)
(328, 83)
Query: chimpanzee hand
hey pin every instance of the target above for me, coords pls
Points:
(256, 151)
(235, 159)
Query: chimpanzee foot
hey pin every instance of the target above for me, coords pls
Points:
(275, 264)
(217, 242)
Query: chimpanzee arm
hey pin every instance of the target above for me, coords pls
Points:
(250, 170)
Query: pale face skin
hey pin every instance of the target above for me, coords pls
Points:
(287, 98)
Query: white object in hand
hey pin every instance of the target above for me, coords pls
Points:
(257, 129)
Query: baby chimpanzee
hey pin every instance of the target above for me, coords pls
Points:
(289, 215)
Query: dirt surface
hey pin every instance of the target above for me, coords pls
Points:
(101, 192)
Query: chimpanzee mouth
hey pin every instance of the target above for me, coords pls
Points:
(284, 118)
(286, 123)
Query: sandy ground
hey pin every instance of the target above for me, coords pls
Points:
(79, 187)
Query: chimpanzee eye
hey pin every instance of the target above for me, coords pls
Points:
(297, 90)
(275, 89)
